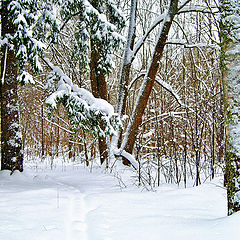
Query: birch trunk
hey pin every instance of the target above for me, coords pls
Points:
(230, 61)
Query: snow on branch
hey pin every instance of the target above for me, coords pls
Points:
(85, 111)
(162, 116)
(165, 85)
(141, 41)
(141, 74)
(169, 88)
(183, 4)
(128, 156)
(202, 9)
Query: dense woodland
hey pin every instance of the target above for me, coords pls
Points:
(143, 82)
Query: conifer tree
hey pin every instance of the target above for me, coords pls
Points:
(28, 27)
(96, 37)
(25, 26)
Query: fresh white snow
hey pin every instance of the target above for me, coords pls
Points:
(71, 203)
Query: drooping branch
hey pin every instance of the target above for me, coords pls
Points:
(142, 40)
(170, 89)
(163, 84)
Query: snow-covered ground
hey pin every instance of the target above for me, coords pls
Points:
(70, 203)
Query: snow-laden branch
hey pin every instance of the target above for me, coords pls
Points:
(128, 156)
(141, 74)
(183, 4)
(202, 9)
(141, 41)
(170, 89)
(65, 86)
(163, 84)
(165, 115)
(84, 109)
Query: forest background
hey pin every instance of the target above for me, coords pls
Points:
(156, 71)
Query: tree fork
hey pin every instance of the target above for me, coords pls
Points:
(146, 88)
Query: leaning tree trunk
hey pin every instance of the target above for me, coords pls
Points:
(148, 82)
(11, 139)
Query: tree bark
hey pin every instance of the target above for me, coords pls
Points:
(99, 90)
(11, 139)
(232, 158)
(230, 61)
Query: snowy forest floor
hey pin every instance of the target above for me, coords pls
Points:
(70, 203)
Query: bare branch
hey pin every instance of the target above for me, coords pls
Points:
(141, 41)
(169, 88)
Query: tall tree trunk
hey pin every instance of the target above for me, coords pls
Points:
(11, 139)
(230, 45)
(42, 131)
(232, 158)
(126, 67)
(148, 82)
(127, 60)
(99, 90)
